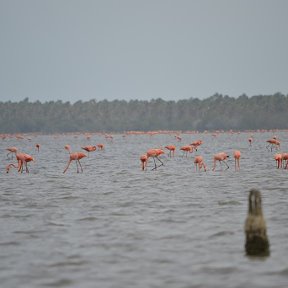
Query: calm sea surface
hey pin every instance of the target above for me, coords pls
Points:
(115, 225)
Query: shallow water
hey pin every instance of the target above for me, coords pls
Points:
(117, 226)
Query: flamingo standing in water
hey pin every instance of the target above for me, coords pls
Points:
(221, 157)
(199, 162)
(186, 149)
(89, 148)
(196, 143)
(155, 153)
(285, 158)
(143, 159)
(37, 147)
(22, 159)
(100, 146)
(273, 143)
(171, 149)
(237, 155)
(12, 150)
(77, 156)
(278, 159)
(178, 138)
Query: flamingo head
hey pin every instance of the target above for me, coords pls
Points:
(67, 147)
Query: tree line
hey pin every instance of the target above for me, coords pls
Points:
(213, 113)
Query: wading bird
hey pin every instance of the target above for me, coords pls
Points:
(221, 157)
(155, 153)
(143, 159)
(273, 143)
(100, 146)
(22, 159)
(196, 143)
(237, 155)
(75, 156)
(12, 150)
(199, 162)
(278, 159)
(178, 138)
(37, 147)
(171, 149)
(285, 160)
(89, 148)
(186, 149)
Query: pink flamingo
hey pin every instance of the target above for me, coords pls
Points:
(285, 158)
(221, 157)
(273, 143)
(278, 159)
(100, 146)
(37, 147)
(198, 161)
(155, 153)
(171, 149)
(178, 138)
(143, 159)
(89, 148)
(186, 149)
(22, 159)
(237, 155)
(196, 143)
(12, 150)
(76, 156)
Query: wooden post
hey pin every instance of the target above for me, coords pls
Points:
(257, 243)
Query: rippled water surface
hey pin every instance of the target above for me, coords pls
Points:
(117, 226)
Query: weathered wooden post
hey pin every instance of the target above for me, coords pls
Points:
(257, 243)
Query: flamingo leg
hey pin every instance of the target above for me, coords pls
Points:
(26, 167)
(226, 165)
(237, 164)
(77, 166)
(20, 166)
(67, 166)
(162, 164)
(155, 166)
(80, 165)
(214, 165)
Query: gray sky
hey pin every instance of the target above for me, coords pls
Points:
(130, 49)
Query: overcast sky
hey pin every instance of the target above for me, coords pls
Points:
(73, 50)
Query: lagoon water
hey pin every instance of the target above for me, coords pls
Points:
(117, 226)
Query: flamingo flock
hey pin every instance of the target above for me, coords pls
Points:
(155, 154)
(220, 157)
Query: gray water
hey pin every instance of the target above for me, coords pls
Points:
(117, 226)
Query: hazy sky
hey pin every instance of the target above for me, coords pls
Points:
(130, 49)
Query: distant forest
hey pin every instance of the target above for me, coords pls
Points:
(213, 113)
